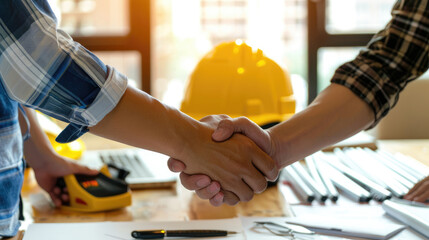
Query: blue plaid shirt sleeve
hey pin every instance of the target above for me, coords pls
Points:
(43, 68)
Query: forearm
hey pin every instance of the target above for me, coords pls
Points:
(37, 149)
(335, 114)
(142, 121)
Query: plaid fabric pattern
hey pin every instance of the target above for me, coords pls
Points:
(10, 165)
(43, 68)
(11, 183)
(395, 56)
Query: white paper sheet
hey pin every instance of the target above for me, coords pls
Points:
(122, 230)
(360, 212)
(413, 216)
(353, 227)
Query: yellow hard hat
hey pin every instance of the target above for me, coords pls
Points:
(234, 79)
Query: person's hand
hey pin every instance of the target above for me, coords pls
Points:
(48, 166)
(420, 192)
(55, 167)
(225, 128)
(203, 185)
(238, 165)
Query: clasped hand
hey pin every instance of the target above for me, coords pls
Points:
(245, 173)
(225, 127)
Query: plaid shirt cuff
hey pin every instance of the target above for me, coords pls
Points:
(364, 81)
(394, 57)
(107, 99)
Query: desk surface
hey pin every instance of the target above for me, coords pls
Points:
(177, 203)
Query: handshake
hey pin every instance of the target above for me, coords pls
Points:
(240, 166)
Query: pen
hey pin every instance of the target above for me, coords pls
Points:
(160, 234)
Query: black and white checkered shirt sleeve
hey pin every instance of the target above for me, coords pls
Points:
(394, 56)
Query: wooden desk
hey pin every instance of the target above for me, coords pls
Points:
(179, 203)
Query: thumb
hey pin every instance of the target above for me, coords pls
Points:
(79, 169)
(225, 129)
(243, 125)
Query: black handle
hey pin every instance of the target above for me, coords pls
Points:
(196, 233)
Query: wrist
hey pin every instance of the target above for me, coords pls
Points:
(188, 134)
(278, 148)
(42, 161)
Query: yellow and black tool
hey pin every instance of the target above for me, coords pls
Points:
(95, 193)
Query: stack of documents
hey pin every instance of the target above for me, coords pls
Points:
(361, 174)
(414, 216)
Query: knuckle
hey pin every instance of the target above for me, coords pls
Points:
(271, 164)
(243, 119)
(224, 116)
(248, 173)
(227, 121)
(247, 144)
(207, 118)
(203, 194)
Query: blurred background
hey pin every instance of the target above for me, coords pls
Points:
(157, 43)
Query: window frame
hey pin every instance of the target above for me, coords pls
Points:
(138, 39)
(318, 37)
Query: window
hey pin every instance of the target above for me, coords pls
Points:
(117, 31)
(357, 16)
(330, 58)
(333, 27)
(184, 31)
(127, 62)
(159, 42)
(94, 17)
(224, 19)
